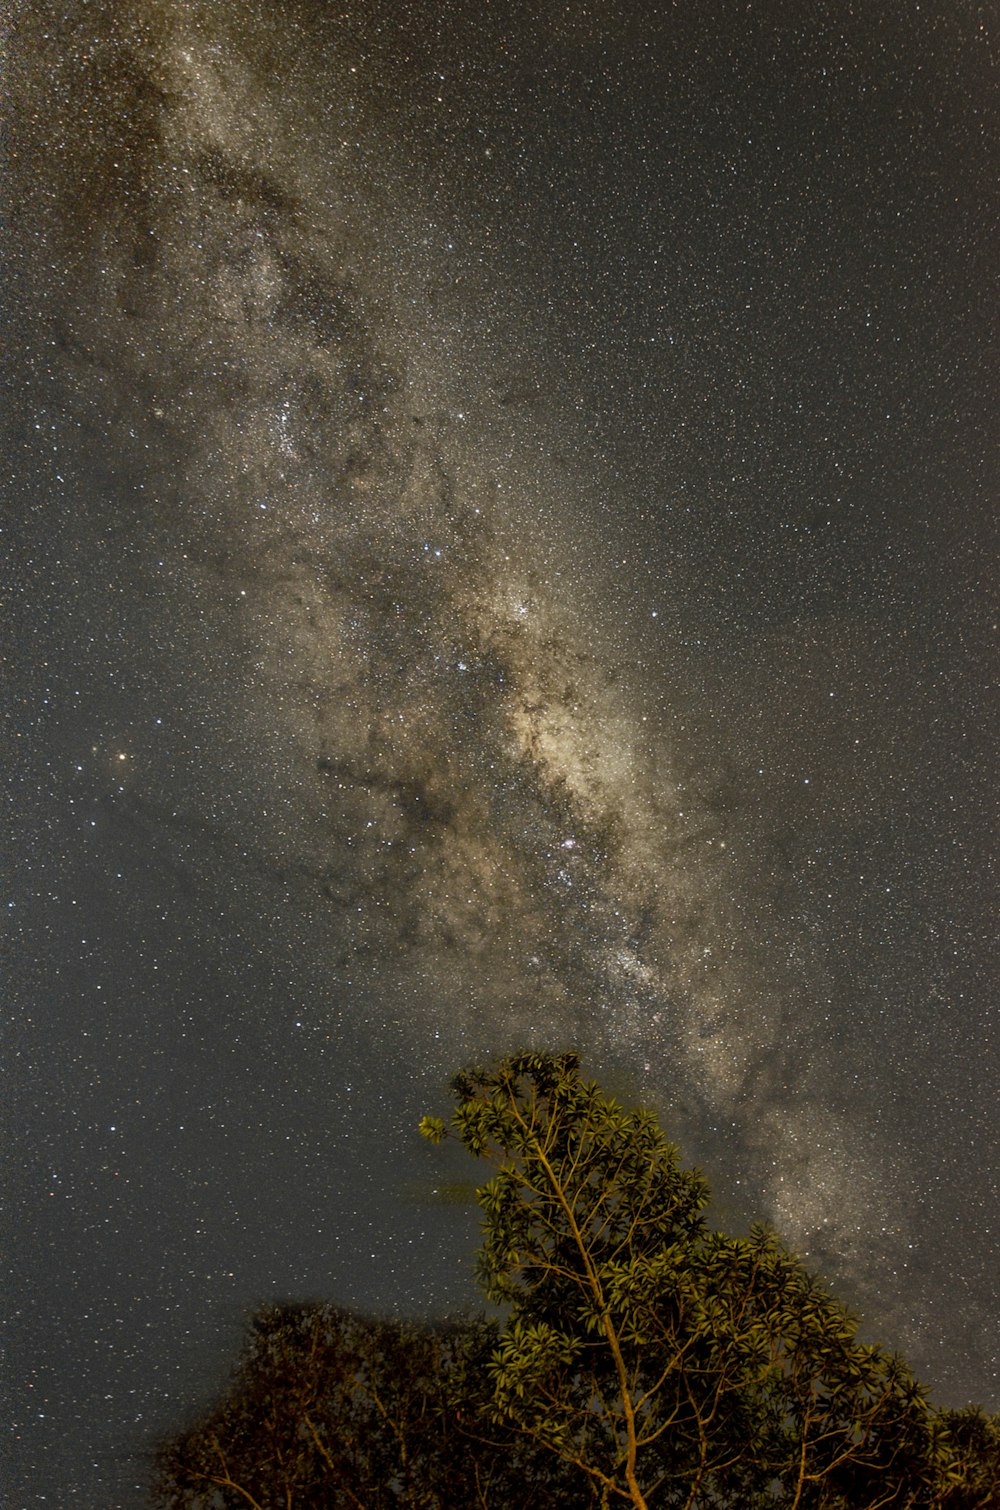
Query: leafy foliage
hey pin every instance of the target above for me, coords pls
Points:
(674, 1365)
(637, 1358)
(330, 1410)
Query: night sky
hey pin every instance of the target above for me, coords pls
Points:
(502, 545)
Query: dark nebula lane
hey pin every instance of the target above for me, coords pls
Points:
(503, 527)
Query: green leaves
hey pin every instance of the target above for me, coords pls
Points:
(646, 1348)
(639, 1358)
(433, 1129)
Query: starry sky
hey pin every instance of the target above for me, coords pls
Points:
(501, 539)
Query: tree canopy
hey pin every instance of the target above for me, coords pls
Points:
(329, 1410)
(635, 1356)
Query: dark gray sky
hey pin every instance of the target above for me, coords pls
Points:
(502, 532)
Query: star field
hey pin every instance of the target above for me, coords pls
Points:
(502, 537)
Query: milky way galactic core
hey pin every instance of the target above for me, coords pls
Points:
(503, 507)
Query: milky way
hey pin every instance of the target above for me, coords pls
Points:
(405, 645)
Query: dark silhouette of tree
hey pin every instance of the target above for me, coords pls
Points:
(328, 1410)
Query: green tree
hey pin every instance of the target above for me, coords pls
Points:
(968, 1459)
(673, 1365)
(637, 1357)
